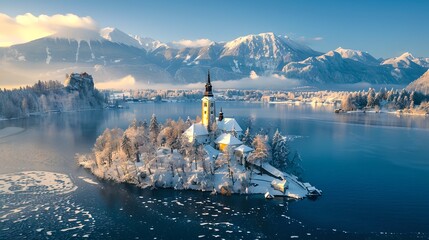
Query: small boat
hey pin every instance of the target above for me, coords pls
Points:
(268, 195)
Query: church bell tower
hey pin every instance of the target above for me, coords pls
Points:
(208, 108)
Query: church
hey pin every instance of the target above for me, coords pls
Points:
(221, 132)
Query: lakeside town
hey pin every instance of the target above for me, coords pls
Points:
(400, 101)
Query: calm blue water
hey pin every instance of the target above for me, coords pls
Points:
(373, 170)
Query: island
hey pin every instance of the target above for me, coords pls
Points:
(208, 154)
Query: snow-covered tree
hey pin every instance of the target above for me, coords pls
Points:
(260, 154)
(347, 103)
(371, 97)
(247, 138)
(126, 146)
(281, 154)
(276, 137)
(153, 129)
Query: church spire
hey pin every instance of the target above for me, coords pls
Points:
(208, 92)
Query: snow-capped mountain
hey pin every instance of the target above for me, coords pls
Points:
(117, 36)
(149, 44)
(351, 66)
(421, 84)
(263, 52)
(405, 66)
(360, 56)
(332, 67)
(422, 61)
(111, 52)
(406, 60)
(56, 49)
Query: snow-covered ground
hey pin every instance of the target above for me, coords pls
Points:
(168, 172)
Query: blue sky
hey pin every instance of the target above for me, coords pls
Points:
(383, 28)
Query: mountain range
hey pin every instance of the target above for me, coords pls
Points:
(112, 54)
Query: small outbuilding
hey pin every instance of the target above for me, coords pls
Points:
(280, 185)
(227, 142)
(242, 152)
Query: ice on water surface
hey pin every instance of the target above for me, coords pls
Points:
(35, 182)
(39, 204)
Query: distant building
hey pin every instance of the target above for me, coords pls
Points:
(267, 99)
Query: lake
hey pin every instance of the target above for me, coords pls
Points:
(373, 170)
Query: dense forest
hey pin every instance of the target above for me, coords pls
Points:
(391, 100)
(49, 96)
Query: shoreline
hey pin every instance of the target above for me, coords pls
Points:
(10, 131)
(39, 114)
(258, 182)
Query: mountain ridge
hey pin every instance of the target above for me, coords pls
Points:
(149, 60)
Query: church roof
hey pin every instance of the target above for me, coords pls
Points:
(228, 124)
(243, 148)
(228, 139)
(196, 129)
(211, 151)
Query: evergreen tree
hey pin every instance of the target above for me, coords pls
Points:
(153, 129)
(144, 124)
(281, 154)
(247, 138)
(276, 137)
(126, 146)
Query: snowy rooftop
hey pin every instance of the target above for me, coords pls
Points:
(228, 124)
(272, 170)
(197, 129)
(244, 149)
(211, 151)
(227, 138)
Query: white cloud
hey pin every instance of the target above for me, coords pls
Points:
(27, 27)
(127, 82)
(309, 41)
(262, 82)
(192, 43)
(274, 81)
